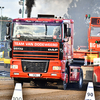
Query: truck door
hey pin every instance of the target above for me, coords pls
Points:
(67, 44)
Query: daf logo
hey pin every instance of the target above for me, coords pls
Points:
(18, 48)
(52, 49)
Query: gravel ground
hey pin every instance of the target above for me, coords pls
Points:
(47, 93)
(38, 93)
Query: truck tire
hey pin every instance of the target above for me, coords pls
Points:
(64, 84)
(94, 78)
(17, 81)
(80, 82)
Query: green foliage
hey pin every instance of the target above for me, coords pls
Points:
(5, 18)
(3, 23)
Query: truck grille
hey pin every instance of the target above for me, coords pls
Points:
(35, 65)
(36, 53)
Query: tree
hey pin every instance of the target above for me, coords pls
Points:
(29, 5)
(4, 22)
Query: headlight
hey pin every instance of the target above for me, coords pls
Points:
(56, 67)
(14, 66)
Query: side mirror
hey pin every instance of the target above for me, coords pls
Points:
(8, 24)
(7, 37)
(8, 31)
(68, 32)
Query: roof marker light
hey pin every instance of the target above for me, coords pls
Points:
(28, 21)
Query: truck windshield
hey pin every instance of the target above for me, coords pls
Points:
(37, 30)
(95, 31)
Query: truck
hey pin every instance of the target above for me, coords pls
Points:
(90, 57)
(42, 51)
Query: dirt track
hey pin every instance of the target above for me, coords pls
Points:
(47, 93)
(37, 93)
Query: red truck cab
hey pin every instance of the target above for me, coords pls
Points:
(42, 49)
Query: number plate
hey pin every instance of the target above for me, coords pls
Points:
(35, 75)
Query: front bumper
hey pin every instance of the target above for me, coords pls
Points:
(48, 75)
(19, 72)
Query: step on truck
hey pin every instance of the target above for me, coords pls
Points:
(42, 51)
(90, 56)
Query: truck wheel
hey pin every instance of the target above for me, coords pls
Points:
(94, 78)
(17, 81)
(64, 84)
(80, 82)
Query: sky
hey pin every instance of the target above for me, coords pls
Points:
(11, 8)
(56, 7)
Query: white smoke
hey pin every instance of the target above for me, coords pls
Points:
(56, 7)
